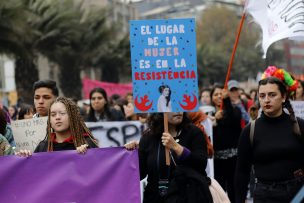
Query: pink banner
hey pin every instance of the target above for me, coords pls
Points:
(111, 88)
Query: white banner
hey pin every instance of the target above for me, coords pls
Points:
(116, 133)
(28, 133)
(298, 107)
(278, 19)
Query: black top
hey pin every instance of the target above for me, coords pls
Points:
(276, 152)
(228, 129)
(42, 146)
(191, 137)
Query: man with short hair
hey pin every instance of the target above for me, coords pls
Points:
(45, 92)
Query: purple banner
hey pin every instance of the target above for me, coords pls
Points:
(108, 175)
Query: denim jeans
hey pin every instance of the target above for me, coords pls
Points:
(277, 192)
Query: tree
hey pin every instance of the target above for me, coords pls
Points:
(71, 37)
(14, 30)
(15, 37)
(76, 39)
(216, 36)
(58, 29)
(66, 34)
(116, 62)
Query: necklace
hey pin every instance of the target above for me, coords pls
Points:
(177, 135)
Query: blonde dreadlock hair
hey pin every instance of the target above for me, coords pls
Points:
(77, 125)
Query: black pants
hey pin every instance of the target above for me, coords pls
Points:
(224, 170)
(280, 192)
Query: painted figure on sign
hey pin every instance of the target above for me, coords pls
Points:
(164, 103)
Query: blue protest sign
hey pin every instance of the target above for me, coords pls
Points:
(164, 70)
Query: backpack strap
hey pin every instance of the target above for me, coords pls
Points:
(252, 127)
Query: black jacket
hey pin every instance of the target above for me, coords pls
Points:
(190, 137)
(188, 186)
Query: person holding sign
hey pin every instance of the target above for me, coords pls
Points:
(188, 154)
(274, 144)
(164, 103)
(66, 130)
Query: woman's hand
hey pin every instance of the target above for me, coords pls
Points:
(132, 145)
(24, 153)
(219, 115)
(225, 93)
(82, 149)
(169, 142)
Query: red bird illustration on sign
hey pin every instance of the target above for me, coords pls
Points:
(143, 104)
(189, 104)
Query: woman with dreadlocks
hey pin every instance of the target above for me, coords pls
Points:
(273, 144)
(66, 130)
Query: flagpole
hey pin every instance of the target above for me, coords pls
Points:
(233, 52)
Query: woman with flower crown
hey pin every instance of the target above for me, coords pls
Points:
(273, 144)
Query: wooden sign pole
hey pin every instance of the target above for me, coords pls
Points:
(166, 129)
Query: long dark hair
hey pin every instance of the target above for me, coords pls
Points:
(161, 89)
(3, 122)
(216, 86)
(24, 109)
(301, 82)
(284, 91)
(155, 123)
(106, 111)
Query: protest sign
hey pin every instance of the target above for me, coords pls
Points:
(29, 132)
(164, 70)
(298, 107)
(101, 175)
(117, 133)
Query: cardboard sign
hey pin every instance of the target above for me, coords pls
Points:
(164, 70)
(29, 132)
